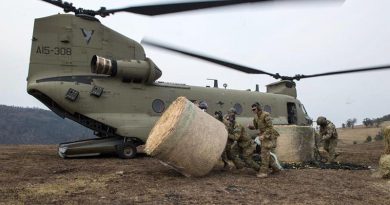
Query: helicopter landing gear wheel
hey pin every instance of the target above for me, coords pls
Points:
(61, 152)
(126, 150)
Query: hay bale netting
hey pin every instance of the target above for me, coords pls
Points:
(187, 139)
(295, 143)
(384, 166)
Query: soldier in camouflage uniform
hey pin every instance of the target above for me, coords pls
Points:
(329, 136)
(386, 134)
(244, 147)
(218, 115)
(268, 136)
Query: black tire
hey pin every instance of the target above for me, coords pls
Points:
(126, 150)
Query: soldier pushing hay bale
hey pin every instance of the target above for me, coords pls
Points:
(384, 162)
(187, 139)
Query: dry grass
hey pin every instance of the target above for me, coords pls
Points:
(359, 133)
(64, 186)
(385, 124)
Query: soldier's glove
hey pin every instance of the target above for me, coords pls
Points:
(257, 140)
(251, 127)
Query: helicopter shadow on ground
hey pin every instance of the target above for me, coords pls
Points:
(108, 156)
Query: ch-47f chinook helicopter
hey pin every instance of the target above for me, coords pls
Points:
(84, 71)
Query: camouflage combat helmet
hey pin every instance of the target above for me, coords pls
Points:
(321, 120)
(203, 105)
(256, 105)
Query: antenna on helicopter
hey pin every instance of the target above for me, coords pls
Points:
(225, 85)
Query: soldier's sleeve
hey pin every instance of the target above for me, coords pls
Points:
(255, 124)
(330, 129)
(268, 121)
(236, 133)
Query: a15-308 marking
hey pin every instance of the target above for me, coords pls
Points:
(60, 51)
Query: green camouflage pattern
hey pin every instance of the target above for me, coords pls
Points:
(242, 152)
(329, 136)
(386, 135)
(263, 122)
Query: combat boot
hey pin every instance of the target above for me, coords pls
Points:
(228, 166)
(275, 171)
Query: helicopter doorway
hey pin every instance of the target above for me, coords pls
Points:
(292, 113)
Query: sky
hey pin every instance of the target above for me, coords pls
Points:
(286, 37)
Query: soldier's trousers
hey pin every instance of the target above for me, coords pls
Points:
(267, 161)
(246, 154)
(227, 153)
(386, 135)
(330, 147)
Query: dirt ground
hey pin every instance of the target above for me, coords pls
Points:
(34, 174)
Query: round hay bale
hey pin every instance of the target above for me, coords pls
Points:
(384, 166)
(295, 143)
(187, 139)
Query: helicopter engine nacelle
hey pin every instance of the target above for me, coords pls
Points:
(130, 71)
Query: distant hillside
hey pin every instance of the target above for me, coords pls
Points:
(382, 119)
(37, 126)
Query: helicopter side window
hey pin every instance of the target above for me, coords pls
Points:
(158, 106)
(292, 113)
(268, 109)
(238, 108)
(304, 109)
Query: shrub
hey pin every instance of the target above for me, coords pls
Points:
(354, 142)
(369, 139)
(379, 136)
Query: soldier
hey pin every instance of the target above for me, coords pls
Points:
(386, 134)
(219, 116)
(268, 136)
(329, 136)
(203, 106)
(244, 147)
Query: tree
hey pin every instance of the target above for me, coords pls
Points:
(368, 122)
(351, 122)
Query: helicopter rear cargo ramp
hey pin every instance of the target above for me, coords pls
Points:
(295, 143)
(89, 147)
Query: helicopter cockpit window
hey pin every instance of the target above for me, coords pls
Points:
(158, 106)
(268, 108)
(304, 109)
(238, 108)
(292, 113)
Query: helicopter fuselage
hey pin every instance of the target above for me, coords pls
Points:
(60, 77)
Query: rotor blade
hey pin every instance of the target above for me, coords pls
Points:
(159, 9)
(68, 7)
(213, 60)
(298, 77)
(153, 10)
